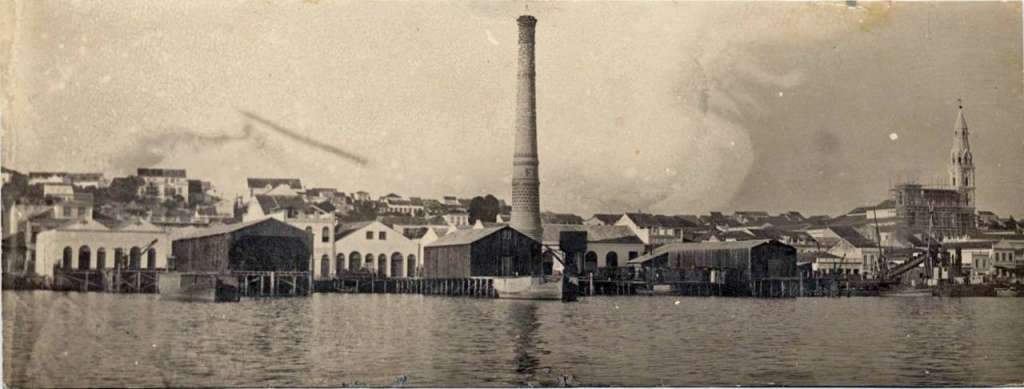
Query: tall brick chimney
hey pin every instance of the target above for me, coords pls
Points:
(525, 181)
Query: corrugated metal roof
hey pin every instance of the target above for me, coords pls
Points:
(218, 230)
(595, 234)
(699, 246)
(851, 235)
(462, 237)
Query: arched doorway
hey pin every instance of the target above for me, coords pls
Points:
(368, 262)
(119, 262)
(382, 265)
(84, 258)
(134, 258)
(65, 262)
(339, 264)
(612, 259)
(410, 266)
(101, 258)
(589, 262)
(325, 266)
(396, 265)
(354, 261)
(151, 258)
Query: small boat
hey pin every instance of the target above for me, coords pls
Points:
(198, 287)
(528, 287)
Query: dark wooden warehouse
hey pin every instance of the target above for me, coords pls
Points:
(262, 245)
(486, 252)
(740, 267)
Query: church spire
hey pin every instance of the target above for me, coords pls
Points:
(961, 164)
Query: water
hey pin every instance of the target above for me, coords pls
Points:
(54, 339)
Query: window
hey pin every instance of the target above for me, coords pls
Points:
(383, 235)
(67, 211)
(101, 258)
(325, 266)
(66, 259)
(325, 235)
(309, 230)
(369, 235)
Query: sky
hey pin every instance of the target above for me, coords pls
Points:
(669, 107)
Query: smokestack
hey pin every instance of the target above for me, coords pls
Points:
(525, 181)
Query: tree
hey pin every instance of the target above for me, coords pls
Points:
(125, 189)
(485, 209)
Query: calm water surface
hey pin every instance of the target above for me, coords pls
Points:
(97, 339)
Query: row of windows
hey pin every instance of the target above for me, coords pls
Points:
(358, 262)
(381, 235)
(1004, 257)
(325, 234)
(133, 261)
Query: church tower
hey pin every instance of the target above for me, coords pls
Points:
(961, 164)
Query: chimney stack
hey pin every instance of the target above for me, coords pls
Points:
(525, 181)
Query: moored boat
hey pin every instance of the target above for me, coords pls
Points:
(528, 287)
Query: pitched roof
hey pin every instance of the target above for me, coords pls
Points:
(348, 228)
(467, 236)
(608, 218)
(645, 220)
(215, 230)
(699, 246)
(851, 235)
(327, 206)
(415, 232)
(271, 204)
(595, 234)
(295, 183)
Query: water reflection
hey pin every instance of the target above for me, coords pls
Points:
(524, 325)
(94, 339)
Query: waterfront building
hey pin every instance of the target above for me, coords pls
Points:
(283, 204)
(824, 263)
(852, 246)
(607, 246)
(734, 265)
(259, 245)
(424, 236)
(486, 252)
(89, 245)
(375, 247)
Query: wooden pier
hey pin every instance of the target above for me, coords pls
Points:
(110, 280)
(272, 283)
(464, 287)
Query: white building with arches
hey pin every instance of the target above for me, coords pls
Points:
(375, 247)
(89, 245)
